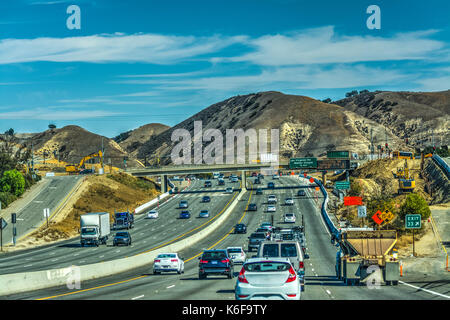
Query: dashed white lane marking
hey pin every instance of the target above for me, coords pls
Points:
(82, 261)
(28, 259)
(426, 290)
(312, 270)
(101, 256)
(54, 260)
(328, 291)
(138, 297)
(28, 265)
(170, 286)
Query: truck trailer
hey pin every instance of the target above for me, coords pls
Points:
(94, 228)
(363, 252)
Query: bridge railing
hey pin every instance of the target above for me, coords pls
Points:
(442, 164)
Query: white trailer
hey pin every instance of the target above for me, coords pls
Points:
(94, 228)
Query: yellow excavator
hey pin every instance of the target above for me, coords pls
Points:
(75, 169)
(406, 183)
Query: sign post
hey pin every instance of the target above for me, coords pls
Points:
(14, 231)
(413, 221)
(3, 225)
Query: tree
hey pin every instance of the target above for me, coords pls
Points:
(327, 100)
(52, 126)
(351, 93)
(415, 204)
(13, 182)
(10, 132)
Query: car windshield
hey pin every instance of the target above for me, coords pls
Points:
(289, 215)
(204, 211)
(234, 250)
(183, 202)
(258, 236)
(214, 255)
(266, 266)
(167, 255)
(121, 234)
(88, 231)
(288, 250)
(271, 250)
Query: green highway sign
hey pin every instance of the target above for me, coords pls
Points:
(300, 163)
(342, 185)
(333, 164)
(413, 221)
(338, 154)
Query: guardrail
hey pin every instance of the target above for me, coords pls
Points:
(442, 164)
(330, 225)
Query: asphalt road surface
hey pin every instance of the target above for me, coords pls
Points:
(321, 282)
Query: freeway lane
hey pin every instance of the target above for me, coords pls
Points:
(147, 234)
(31, 216)
(321, 282)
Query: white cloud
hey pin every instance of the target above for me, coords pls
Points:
(148, 48)
(323, 45)
(54, 115)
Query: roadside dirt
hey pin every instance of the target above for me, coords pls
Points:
(97, 193)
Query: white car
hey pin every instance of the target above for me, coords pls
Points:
(271, 208)
(275, 176)
(270, 279)
(152, 214)
(237, 254)
(289, 202)
(229, 190)
(272, 199)
(289, 218)
(168, 262)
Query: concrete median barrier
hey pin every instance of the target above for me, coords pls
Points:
(29, 281)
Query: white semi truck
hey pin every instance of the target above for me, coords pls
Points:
(94, 228)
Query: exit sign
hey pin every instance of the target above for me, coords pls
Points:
(338, 154)
(299, 163)
(413, 221)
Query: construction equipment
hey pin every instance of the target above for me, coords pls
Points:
(406, 183)
(366, 252)
(75, 169)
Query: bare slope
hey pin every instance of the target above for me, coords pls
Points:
(412, 115)
(307, 126)
(130, 141)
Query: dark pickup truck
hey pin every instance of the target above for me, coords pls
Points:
(255, 239)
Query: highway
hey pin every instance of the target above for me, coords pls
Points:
(321, 283)
(146, 235)
(31, 217)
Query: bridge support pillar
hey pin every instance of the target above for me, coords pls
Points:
(164, 183)
(243, 180)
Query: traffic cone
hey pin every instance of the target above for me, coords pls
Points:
(401, 269)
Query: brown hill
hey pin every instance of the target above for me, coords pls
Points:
(307, 126)
(413, 115)
(73, 143)
(131, 140)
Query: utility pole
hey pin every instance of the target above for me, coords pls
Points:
(102, 157)
(371, 143)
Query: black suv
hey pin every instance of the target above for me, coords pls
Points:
(252, 207)
(259, 191)
(240, 228)
(215, 262)
(301, 193)
(206, 199)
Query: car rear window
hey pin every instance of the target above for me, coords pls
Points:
(121, 234)
(234, 250)
(214, 255)
(288, 250)
(289, 214)
(258, 236)
(166, 256)
(271, 250)
(266, 266)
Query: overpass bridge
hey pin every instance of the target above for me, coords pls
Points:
(165, 171)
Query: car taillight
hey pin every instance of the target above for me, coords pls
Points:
(225, 261)
(157, 260)
(292, 275)
(242, 295)
(173, 260)
(292, 295)
(241, 277)
(301, 265)
(203, 261)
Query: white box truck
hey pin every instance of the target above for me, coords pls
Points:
(94, 228)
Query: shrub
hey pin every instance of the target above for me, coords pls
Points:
(415, 204)
(13, 181)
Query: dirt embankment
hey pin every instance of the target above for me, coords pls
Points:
(98, 193)
(376, 180)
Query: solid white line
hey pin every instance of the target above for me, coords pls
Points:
(328, 291)
(170, 286)
(426, 290)
(137, 297)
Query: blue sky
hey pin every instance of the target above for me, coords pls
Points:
(137, 62)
